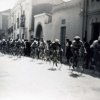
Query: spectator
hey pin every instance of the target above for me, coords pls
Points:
(96, 53)
(27, 48)
(68, 50)
(87, 58)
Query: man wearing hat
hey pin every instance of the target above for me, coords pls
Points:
(78, 50)
(96, 53)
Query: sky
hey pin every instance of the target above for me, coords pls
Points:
(66, 0)
(6, 4)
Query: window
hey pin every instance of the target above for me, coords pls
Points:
(22, 24)
(63, 21)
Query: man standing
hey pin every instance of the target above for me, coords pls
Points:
(96, 53)
(68, 50)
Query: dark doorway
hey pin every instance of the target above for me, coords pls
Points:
(17, 36)
(39, 31)
(22, 36)
(62, 38)
(95, 30)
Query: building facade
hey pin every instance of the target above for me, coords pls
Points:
(51, 19)
(93, 20)
(21, 19)
(68, 19)
(4, 23)
(62, 22)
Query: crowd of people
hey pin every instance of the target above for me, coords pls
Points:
(76, 51)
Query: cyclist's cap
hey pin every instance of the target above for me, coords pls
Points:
(3, 39)
(77, 38)
(57, 40)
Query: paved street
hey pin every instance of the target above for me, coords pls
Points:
(24, 79)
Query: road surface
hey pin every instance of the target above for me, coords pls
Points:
(24, 79)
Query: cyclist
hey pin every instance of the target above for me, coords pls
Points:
(68, 50)
(78, 51)
(48, 50)
(55, 51)
(42, 47)
(34, 46)
(11, 47)
(18, 44)
(22, 47)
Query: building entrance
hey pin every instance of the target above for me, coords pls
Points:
(62, 38)
(95, 30)
(39, 32)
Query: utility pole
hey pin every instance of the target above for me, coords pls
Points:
(84, 25)
(86, 16)
(22, 22)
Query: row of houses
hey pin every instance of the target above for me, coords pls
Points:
(51, 19)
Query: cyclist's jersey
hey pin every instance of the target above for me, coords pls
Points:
(22, 44)
(18, 44)
(96, 46)
(42, 45)
(78, 47)
(34, 45)
(96, 50)
(12, 44)
(55, 46)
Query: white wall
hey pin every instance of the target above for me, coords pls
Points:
(0, 21)
(47, 28)
(26, 6)
(73, 21)
(46, 1)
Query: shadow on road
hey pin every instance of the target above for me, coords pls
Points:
(15, 59)
(1, 55)
(86, 72)
(3, 74)
(75, 75)
(40, 63)
(10, 57)
(52, 69)
(96, 89)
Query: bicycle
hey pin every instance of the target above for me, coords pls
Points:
(77, 61)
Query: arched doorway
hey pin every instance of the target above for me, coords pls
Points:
(39, 32)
